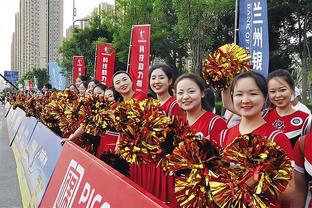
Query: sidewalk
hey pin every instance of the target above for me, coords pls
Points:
(9, 188)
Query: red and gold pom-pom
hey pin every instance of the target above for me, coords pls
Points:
(224, 64)
(95, 115)
(143, 127)
(192, 162)
(255, 158)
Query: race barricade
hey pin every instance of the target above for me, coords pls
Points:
(81, 180)
(36, 156)
(14, 119)
(7, 108)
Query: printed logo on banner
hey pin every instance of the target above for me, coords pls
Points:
(69, 186)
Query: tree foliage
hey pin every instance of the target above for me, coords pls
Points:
(40, 74)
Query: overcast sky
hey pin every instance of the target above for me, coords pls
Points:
(7, 23)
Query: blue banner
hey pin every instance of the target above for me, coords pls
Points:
(39, 159)
(253, 33)
(12, 76)
(57, 79)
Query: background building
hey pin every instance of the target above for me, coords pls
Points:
(38, 34)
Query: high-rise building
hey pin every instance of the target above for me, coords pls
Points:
(82, 23)
(38, 34)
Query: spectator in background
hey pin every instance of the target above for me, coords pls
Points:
(296, 102)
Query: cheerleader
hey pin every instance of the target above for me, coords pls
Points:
(161, 79)
(155, 180)
(109, 140)
(123, 84)
(190, 94)
(248, 92)
(294, 123)
(83, 89)
(98, 90)
(80, 79)
(303, 171)
(112, 95)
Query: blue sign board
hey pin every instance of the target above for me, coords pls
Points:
(58, 80)
(12, 76)
(253, 33)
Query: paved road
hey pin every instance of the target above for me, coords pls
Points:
(9, 189)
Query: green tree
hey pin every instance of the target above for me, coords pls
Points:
(166, 44)
(83, 42)
(40, 74)
(290, 23)
(196, 21)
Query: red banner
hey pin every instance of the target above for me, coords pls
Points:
(81, 180)
(139, 56)
(79, 67)
(105, 63)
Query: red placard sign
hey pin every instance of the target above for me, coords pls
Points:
(139, 56)
(105, 63)
(79, 67)
(81, 180)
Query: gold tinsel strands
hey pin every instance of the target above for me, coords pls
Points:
(224, 64)
(68, 120)
(95, 115)
(142, 127)
(52, 111)
(192, 162)
(251, 157)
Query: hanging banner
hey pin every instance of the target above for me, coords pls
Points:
(253, 33)
(105, 63)
(57, 78)
(139, 57)
(79, 67)
(81, 180)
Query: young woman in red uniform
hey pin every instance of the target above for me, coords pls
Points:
(249, 91)
(303, 171)
(156, 181)
(283, 116)
(161, 79)
(122, 83)
(190, 94)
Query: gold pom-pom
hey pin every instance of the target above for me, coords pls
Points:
(224, 64)
(251, 157)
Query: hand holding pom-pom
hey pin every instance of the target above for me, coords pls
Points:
(223, 65)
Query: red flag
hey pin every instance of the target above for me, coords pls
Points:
(30, 85)
(105, 63)
(139, 56)
(79, 67)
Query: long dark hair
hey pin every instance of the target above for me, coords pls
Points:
(167, 70)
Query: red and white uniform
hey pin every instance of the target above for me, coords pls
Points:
(209, 125)
(171, 107)
(139, 95)
(293, 125)
(303, 158)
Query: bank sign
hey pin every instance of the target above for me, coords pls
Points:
(253, 33)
